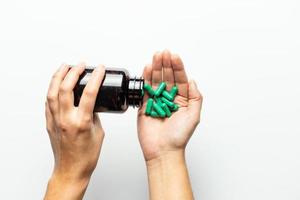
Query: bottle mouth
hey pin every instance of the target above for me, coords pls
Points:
(135, 91)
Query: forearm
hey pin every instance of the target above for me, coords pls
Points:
(168, 177)
(65, 188)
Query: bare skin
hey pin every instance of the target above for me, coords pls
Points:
(75, 133)
(163, 141)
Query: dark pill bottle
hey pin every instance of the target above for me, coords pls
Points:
(117, 92)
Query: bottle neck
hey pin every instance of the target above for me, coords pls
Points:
(135, 92)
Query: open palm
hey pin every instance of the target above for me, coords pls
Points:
(159, 135)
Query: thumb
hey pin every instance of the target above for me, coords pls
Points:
(195, 99)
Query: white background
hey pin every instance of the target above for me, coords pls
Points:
(244, 54)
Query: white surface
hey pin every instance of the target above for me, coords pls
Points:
(244, 54)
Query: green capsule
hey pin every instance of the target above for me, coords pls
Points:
(158, 101)
(159, 110)
(160, 89)
(166, 109)
(154, 114)
(149, 106)
(166, 101)
(174, 91)
(149, 89)
(175, 108)
(167, 95)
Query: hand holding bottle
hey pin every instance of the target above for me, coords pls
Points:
(75, 133)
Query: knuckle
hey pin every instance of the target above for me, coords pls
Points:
(51, 96)
(90, 93)
(63, 88)
(54, 76)
(75, 126)
(64, 126)
(84, 123)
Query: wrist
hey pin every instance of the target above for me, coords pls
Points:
(70, 180)
(168, 176)
(173, 157)
(66, 187)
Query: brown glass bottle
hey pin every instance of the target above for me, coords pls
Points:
(117, 92)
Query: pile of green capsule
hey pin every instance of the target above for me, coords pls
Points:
(160, 102)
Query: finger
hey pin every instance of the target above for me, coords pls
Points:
(168, 74)
(57, 78)
(66, 95)
(89, 95)
(195, 99)
(156, 69)
(147, 75)
(180, 75)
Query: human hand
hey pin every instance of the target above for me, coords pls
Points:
(158, 136)
(75, 133)
(163, 140)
